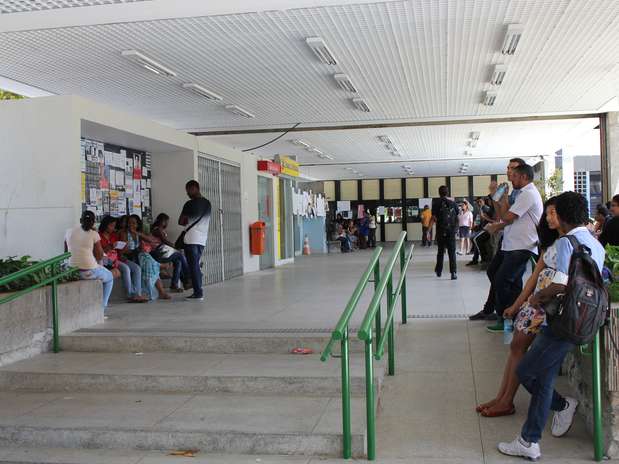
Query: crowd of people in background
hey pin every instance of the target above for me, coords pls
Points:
(120, 247)
(355, 234)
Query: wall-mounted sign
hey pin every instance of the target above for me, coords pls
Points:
(270, 167)
(289, 166)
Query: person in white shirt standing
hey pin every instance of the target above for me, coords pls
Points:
(519, 222)
(84, 244)
(465, 223)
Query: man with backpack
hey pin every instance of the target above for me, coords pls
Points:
(445, 216)
(573, 319)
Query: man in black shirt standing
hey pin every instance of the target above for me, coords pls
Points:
(610, 233)
(196, 217)
(445, 216)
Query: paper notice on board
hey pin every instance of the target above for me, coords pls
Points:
(343, 206)
(380, 211)
(425, 201)
(120, 178)
(147, 183)
(83, 187)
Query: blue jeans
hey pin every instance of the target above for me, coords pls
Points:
(179, 262)
(193, 253)
(105, 276)
(537, 373)
(132, 278)
(505, 272)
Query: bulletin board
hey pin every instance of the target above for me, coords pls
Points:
(115, 180)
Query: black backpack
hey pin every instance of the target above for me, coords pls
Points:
(584, 307)
(447, 217)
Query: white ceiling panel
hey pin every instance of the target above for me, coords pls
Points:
(409, 59)
(427, 147)
(21, 6)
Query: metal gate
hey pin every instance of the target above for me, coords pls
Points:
(221, 185)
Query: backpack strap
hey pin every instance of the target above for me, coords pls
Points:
(577, 245)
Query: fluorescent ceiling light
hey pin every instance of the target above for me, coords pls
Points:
(239, 111)
(385, 139)
(489, 98)
(498, 74)
(474, 135)
(320, 49)
(512, 38)
(360, 104)
(199, 90)
(314, 150)
(472, 143)
(325, 156)
(300, 143)
(345, 83)
(468, 153)
(147, 63)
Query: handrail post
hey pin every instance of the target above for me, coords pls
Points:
(390, 330)
(403, 291)
(55, 331)
(369, 398)
(377, 318)
(346, 428)
(598, 438)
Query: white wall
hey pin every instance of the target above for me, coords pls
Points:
(249, 191)
(39, 175)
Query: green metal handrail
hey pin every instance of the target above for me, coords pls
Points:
(598, 432)
(372, 316)
(56, 273)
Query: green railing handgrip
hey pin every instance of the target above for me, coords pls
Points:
(598, 432)
(338, 331)
(34, 268)
(363, 333)
(327, 351)
(49, 280)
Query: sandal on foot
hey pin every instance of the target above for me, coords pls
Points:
(499, 413)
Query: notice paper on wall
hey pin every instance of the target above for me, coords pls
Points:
(380, 211)
(425, 201)
(343, 206)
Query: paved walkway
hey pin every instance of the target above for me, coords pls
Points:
(445, 364)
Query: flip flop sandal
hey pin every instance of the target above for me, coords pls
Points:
(503, 412)
(301, 351)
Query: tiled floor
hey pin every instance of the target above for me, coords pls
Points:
(444, 366)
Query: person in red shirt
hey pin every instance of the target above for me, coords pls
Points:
(116, 262)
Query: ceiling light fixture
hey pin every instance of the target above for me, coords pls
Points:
(300, 143)
(199, 90)
(147, 63)
(512, 38)
(471, 143)
(498, 74)
(489, 98)
(345, 83)
(474, 135)
(385, 139)
(314, 150)
(239, 111)
(360, 104)
(320, 49)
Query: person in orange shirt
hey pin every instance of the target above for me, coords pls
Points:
(426, 230)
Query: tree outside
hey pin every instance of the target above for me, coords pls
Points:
(6, 95)
(552, 186)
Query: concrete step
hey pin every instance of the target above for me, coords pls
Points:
(101, 340)
(189, 373)
(14, 455)
(231, 424)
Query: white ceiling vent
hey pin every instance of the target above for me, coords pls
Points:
(512, 38)
(199, 90)
(489, 98)
(147, 63)
(345, 83)
(360, 104)
(320, 49)
(239, 111)
(498, 74)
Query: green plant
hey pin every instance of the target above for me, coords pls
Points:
(612, 263)
(13, 264)
(5, 95)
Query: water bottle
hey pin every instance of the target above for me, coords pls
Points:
(500, 191)
(508, 331)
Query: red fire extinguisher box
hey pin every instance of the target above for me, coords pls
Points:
(257, 238)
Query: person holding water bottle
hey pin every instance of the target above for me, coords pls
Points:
(523, 320)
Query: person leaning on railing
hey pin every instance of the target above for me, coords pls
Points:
(84, 244)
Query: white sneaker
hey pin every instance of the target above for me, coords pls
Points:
(521, 448)
(562, 420)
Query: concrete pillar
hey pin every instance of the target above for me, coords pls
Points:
(612, 150)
